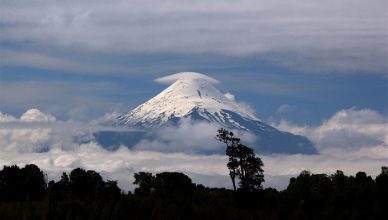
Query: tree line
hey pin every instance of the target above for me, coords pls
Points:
(84, 194)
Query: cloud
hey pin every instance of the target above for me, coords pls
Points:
(31, 59)
(209, 170)
(285, 108)
(189, 137)
(347, 35)
(107, 119)
(363, 130)
(44, 60)
(6, 118)
(230, 96)
(36, 115)
(58, 146)
(170, 79)
(245, 106)
(36, 131)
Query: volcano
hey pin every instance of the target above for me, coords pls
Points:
(194, 96)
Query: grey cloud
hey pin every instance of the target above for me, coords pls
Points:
(332, 36)
(30, 59)
(44, 60)
(186, 137)
(20, 142)
(189, 137)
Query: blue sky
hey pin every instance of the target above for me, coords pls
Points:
(301, 62)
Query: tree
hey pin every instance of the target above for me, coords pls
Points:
(22, 184)
(172, 184)
(165, 184)
(111, 190)
(85, 184)
(145, 181)
(243, 163)
(382, 185)
(231, 142)
(251, 171)
(35, 182)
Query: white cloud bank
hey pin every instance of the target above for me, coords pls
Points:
(57, 146)
(348, 133)
(347, 35)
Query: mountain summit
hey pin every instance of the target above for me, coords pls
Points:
(194, 96)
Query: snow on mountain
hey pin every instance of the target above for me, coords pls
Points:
(194, 96)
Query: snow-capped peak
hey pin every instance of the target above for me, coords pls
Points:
(190, 93)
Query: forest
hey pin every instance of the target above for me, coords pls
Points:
(84, 194)
(26, 193)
